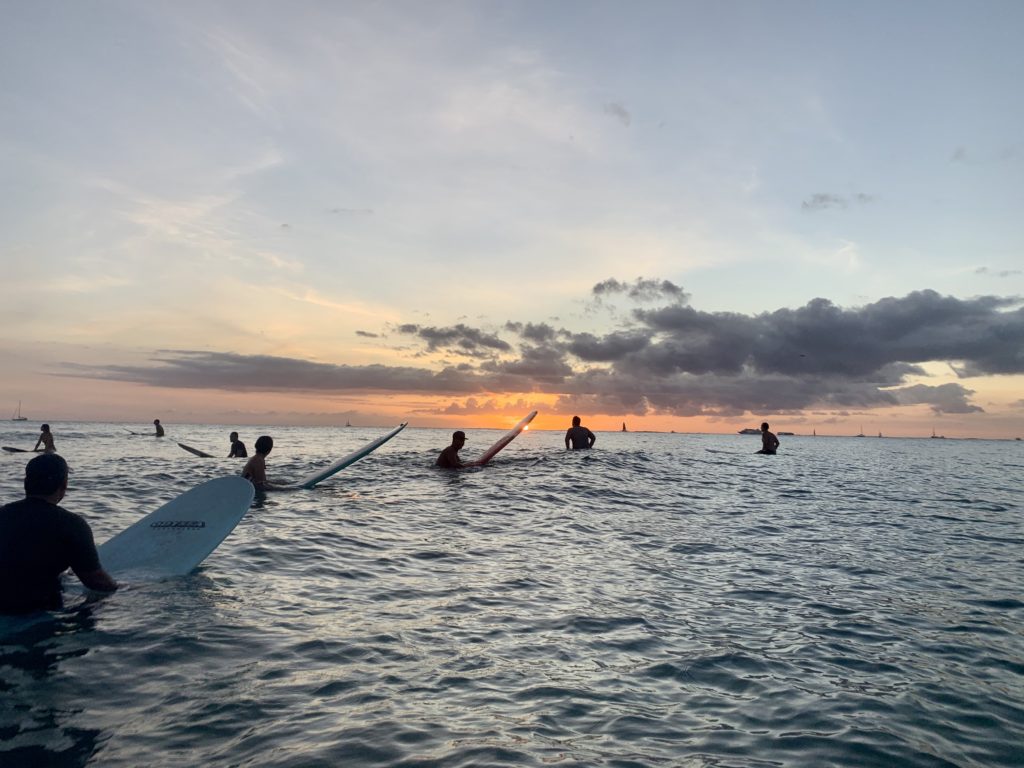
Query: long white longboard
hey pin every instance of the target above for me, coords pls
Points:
(322, 474)
(178, 536)
(507, 438)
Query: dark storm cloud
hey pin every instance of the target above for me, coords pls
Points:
(671, 359)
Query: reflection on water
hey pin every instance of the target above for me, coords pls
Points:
(661, 600)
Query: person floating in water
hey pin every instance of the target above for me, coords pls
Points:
(579, 436)
(40, 540)
(769, 442)
(159, 429)
(449, 458)
(255, 470)
(237, 447)
(46, 439)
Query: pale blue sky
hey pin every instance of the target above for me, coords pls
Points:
(270, 177)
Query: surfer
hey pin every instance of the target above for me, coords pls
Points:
(159, 429)
(449, 458)
(237, 447)
(45, 439)
(255, 470)
(579, 436)
(769, 442)
(40, 540)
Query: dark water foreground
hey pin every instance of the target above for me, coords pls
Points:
(665, 600)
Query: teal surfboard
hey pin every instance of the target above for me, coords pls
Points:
(320, 475)
(507, 438)
(178, 536)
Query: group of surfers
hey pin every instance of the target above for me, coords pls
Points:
(39, 539)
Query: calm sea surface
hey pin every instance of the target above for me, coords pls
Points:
(663, 600)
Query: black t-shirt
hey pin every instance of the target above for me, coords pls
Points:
(579, 437)
(38, 542)
(238, 450)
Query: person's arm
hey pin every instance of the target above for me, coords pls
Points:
(85, 560)
(36, 446)
(567, 439)
(591, 437)
(98, 580)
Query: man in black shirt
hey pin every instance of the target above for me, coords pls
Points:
(237, 447)
(40, 540)
(580, 437)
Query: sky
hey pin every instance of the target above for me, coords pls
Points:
(688, 216)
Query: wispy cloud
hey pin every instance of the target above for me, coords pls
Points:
(619, 112)
(821, 201)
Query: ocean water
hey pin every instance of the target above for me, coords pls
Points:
(662, 600)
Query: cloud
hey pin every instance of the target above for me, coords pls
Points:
(640, 289)
(367, 334)
(821, 201)
(461, 339)
(944, 398)
(619, 112)
(998, 273)
(670, 359)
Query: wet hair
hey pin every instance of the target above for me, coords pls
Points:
(764, 425)
(44, 428)
(45, 474)
(233, 436)
(457, 435)
(575, 421)
(264, 443)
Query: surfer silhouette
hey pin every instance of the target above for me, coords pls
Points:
(159, 429)
(237, 447)
(40, 540)
(580, 437)
(769, 442)
(46, 439)
(255, 470)
(449, 458)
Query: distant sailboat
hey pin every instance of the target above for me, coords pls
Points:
(348, 423)
(937, 437)
(861, 431)
(17, 414)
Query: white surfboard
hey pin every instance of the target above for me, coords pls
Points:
(195, 451)
(322, 474)
(178, 536)
(507, 438)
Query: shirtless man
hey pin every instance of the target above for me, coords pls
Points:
(159, 429)
(40, 540)
(237, 447)
(46, 439)
(579, 436)
(255, 470)
(449, 458)
(769, 442)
